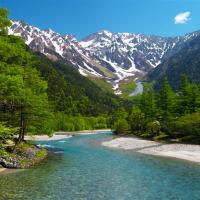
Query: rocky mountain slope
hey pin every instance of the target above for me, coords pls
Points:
(185, 61)
(112, 56)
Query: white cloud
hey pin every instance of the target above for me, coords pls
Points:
(182, 18)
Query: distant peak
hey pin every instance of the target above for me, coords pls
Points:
(70, 37)
(49, 30)
(106, 32)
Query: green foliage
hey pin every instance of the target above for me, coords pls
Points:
(187, 127)
(41, 154)
(40, 96)
(4, 21)
(33, 86)
(148, 101)
(166, 102)
(119, 114)
(137, 120)
(153, 128)
(121, 127)
(189, 97)
(23, 96)
(73, 94)
(163, 115)
(6, 133)
(63, 122)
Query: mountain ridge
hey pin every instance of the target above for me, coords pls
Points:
(104, 54)
(186, 61)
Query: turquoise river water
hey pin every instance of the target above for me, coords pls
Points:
(82, 169)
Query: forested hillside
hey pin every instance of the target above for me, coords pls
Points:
(185, 61)
(163, 114)
(73, 93)
(39, 96)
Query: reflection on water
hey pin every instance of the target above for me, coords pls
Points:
(86, 170)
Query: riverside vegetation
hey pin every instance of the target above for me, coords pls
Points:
(163, 115)
(40, 96)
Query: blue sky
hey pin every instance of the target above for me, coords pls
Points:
(82, 17)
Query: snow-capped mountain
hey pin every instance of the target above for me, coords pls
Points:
(54, 46)
(113, 56)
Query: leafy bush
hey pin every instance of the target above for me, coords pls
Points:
(153, 128)
(187, 127)
(6, 132)
(121, 127)
(41, 154)
(65, 122)
(137, 121)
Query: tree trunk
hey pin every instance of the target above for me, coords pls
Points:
(22, 127)
(22, 130)
(22, 123)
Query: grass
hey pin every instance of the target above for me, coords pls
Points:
(102, 84)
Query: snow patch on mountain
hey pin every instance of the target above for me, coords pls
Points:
(113, 56)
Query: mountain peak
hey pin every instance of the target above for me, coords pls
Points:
(70, 37)
(106, 32)
(49, 30)
(113, 56)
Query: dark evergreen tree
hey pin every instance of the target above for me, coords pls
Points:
(166, 102)
(148, 102)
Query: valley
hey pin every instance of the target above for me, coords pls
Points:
(103, 115)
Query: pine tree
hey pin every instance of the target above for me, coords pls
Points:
(137, 120)
(166, 102)
(189, 97)
(148, 101)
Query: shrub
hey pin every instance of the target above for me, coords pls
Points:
(6, 132)
(41, 154)
(121, 127)
(153, 128)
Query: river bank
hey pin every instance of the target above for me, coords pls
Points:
(180, 151)
(12, 161)
(83, 132)
(46, 137)
(64, 135)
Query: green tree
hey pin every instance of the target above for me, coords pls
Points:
(23, 97)
(166, 102)
(137, 120)
(187, 128)
(153, 128)
(189, 97)
(4, 21)
(121, 127)
(148, 101)
(34, 107)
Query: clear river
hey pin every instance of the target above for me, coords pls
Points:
(82, 169)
